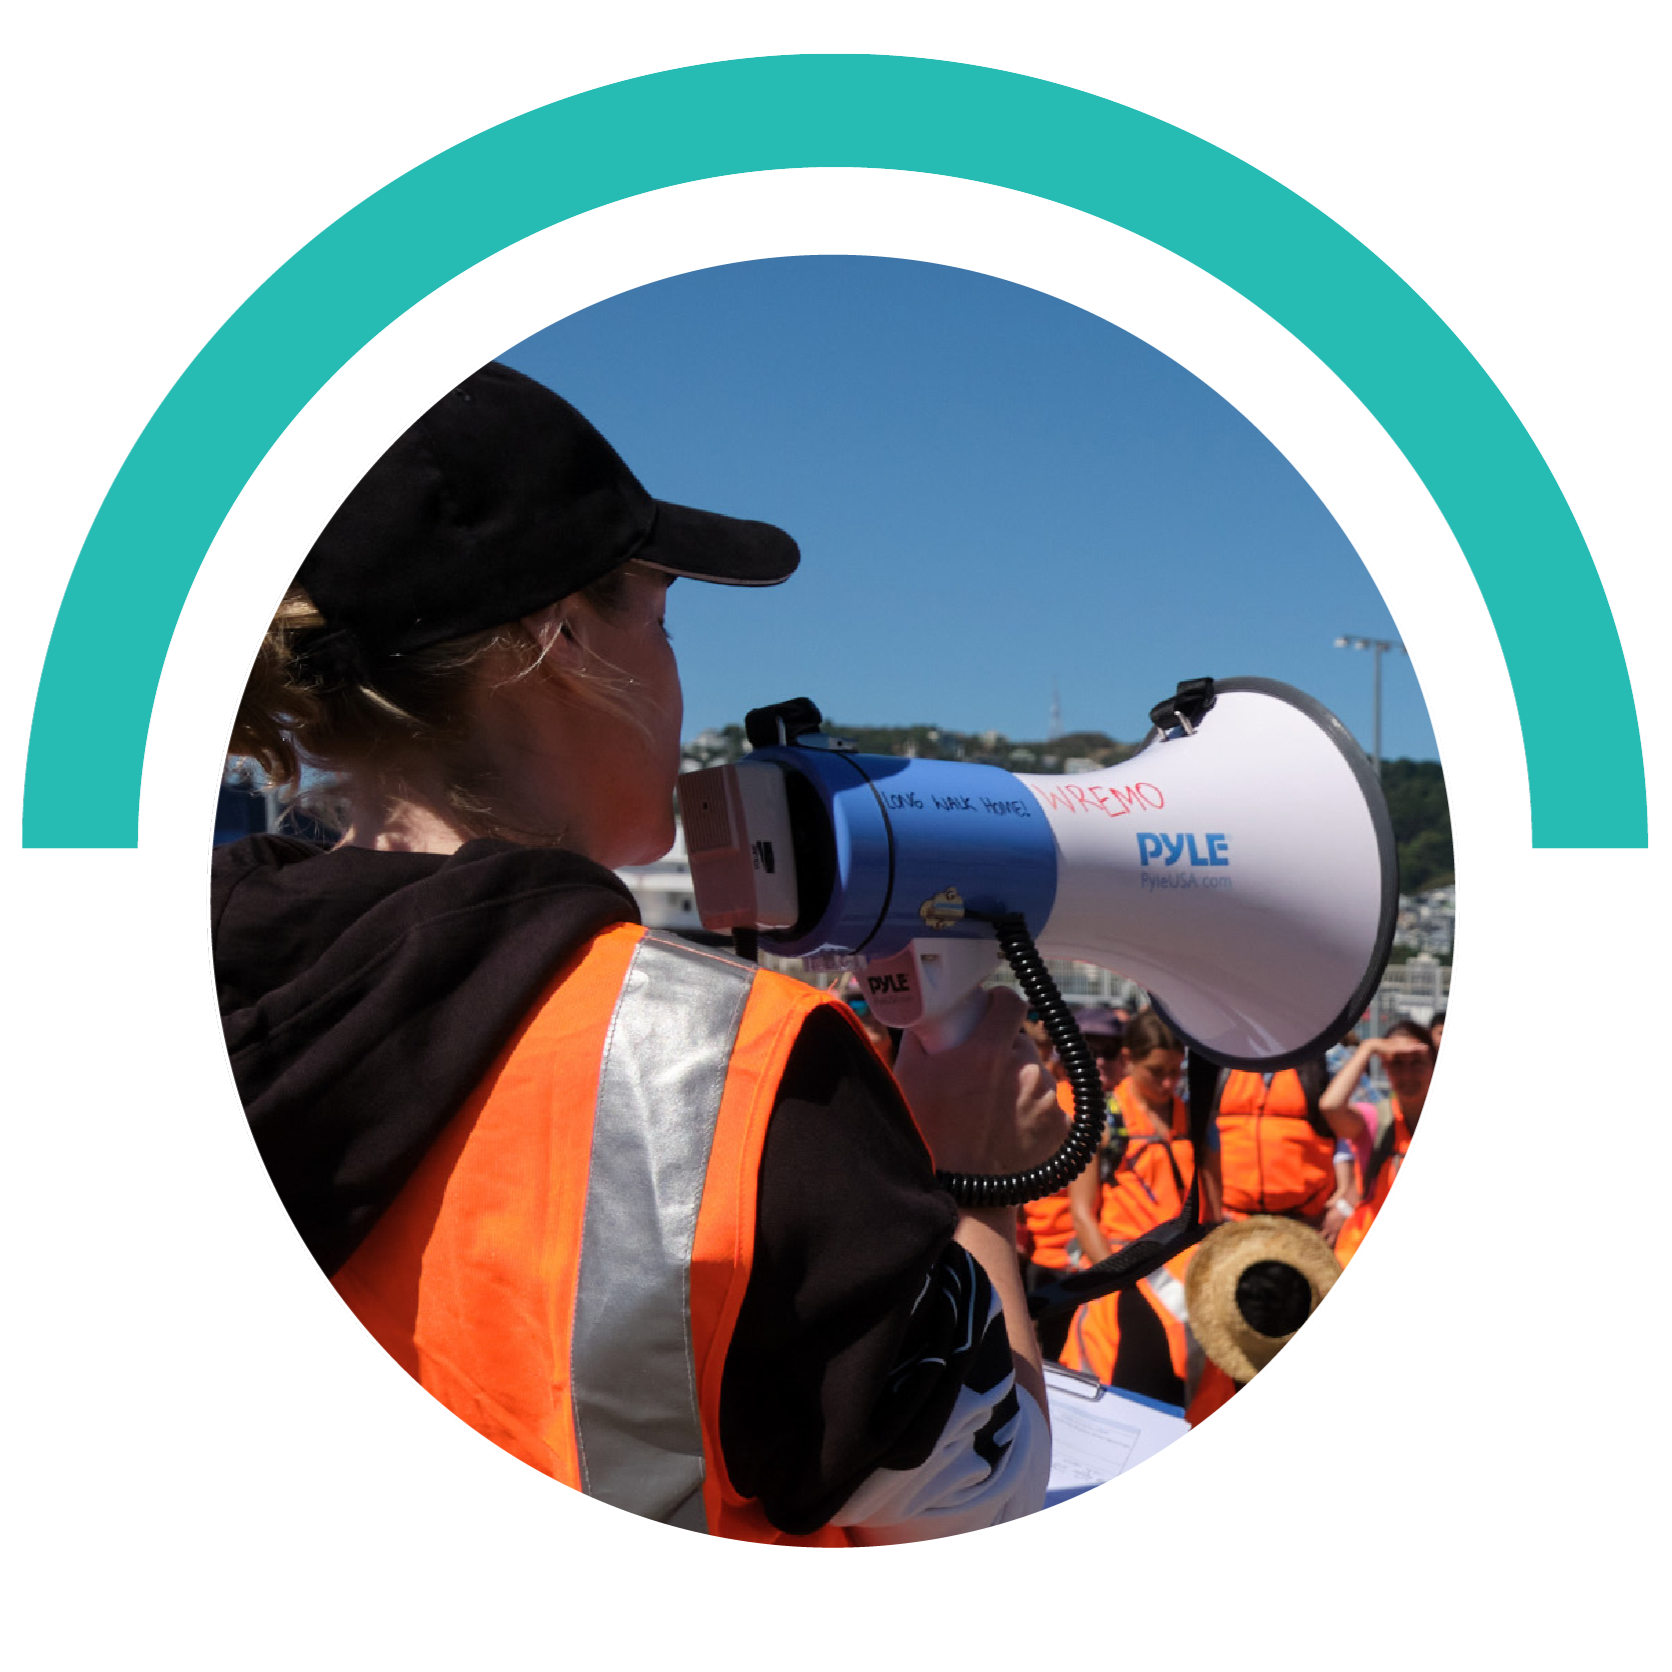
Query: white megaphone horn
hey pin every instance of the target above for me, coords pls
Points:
(1240, 868)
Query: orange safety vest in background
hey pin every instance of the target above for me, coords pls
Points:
(1364, 1215)
(1045, 1228)
(1149, 1186)
(1272, 1159)
(1136, 1339)
(1214, 1389)
(565, 1268)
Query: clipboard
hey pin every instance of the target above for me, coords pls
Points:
(1098, 1432)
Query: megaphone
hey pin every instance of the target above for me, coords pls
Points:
(1240, 868)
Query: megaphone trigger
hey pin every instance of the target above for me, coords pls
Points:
(932, 988)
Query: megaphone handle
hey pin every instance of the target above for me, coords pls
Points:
(941, 1033)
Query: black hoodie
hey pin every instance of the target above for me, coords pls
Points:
(365, 994)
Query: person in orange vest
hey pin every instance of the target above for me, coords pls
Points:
(1148, 1186)
(1046, 1238)
(1407, 1057)
(1275, 1148)
(1104, 1031)
(1138, 1339)
(657, 1222)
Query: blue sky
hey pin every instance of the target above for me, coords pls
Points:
(993, 491)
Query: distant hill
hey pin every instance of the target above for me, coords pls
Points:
(1415, 790)
(988, 748)
(936, 743)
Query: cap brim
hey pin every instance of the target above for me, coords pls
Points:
(705, 546)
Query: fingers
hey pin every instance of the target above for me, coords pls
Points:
(997, 1034)
(1006, 1011)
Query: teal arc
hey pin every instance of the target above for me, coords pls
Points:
(230, 405)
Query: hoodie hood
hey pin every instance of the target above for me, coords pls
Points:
(365, 995)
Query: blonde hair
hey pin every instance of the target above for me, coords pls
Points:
(375, 724)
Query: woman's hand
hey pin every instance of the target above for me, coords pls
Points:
(1401, 1045)
(988, 1105)
(1336, 1215)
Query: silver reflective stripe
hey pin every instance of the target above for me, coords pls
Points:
(633, 1369)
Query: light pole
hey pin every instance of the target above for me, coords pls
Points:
(1351, 641)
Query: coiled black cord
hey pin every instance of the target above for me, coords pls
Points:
(1004, 1190)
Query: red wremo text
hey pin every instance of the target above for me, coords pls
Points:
(1114, 801)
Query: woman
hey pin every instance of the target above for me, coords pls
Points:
(658, 1223)
(1139, 1338)
(1407, 1057)
(1149, 1186)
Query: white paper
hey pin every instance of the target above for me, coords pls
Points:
(1098, 1432)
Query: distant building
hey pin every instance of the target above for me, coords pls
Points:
(247, 804)
(1427, 921)
(1415, 989)
(240, 812)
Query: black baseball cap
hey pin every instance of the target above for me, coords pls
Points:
(500, 500)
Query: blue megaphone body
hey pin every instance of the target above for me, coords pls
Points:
(1240, 867)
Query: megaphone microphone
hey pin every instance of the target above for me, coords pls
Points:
(1240, 868)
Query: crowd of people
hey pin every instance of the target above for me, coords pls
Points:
(1314, 1145)
(661, 1224)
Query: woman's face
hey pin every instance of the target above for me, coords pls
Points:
(1409, 1065)
(586, 748)
(1156, 1075)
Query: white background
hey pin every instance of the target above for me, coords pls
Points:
(1462, 1456)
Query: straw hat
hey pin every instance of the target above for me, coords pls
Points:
(1265, 1271)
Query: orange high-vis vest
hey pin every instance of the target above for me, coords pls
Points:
(1364, 1215)
(1046, 1227)
(1149, 1186)
(1271, 1157)
(565, 1268)
(1138, 1338)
